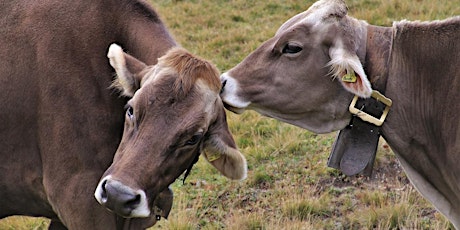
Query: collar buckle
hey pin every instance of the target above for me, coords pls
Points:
(367, 117)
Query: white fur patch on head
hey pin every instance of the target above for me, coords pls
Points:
(324, 9)
(317, 14)
(343, 62)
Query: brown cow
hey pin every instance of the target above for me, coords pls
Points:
(175, 113)
(60, 124)
(307, 74)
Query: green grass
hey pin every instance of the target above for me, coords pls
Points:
(289, 185)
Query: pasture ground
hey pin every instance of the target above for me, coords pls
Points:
(289, 185)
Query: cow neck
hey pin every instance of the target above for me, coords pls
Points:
(355, 146)
(378, 48)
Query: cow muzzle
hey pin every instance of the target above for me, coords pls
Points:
(121, 199)
(229, 96)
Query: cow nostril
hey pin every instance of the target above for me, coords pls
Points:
(104, 192)
(223, 85)
(133, 203)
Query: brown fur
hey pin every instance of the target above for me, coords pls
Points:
(60, 125)
(190, 68)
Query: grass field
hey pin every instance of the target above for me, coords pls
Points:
(289, 185)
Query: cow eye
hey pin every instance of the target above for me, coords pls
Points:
(290, 48)
(130, 112)
(195, 139)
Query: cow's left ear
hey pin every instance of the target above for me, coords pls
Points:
(345, 63)
(347, 68)
(128, 70)
(220, 149)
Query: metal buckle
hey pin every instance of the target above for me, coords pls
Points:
(157, 213)
(367, 117)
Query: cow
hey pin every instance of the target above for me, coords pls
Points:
(309, 71)
(175, 114)
(61, 123)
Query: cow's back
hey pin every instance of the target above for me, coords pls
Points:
(60, 124)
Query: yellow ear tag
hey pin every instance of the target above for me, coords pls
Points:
(212, 156)
(349, 77)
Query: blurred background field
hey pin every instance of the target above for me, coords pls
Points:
(289, 185)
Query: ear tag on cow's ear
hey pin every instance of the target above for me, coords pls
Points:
(212, 156)
(349, 77)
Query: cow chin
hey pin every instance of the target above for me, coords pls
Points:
(307, 122)
(234, 109)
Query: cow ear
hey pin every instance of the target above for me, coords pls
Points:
(128, 70)
(347, 68)
(220, 150)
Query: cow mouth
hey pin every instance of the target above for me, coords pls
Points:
(233, 108)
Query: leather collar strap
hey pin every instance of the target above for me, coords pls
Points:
(355, 146)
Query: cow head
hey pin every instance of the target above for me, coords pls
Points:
(300, 75)
(174, 114)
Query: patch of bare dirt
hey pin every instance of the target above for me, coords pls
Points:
(387, 175)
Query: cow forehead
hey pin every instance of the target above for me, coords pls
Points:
(316, 15)
(153, 74)
(159, 86)
(186, 68)
(182, 79)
